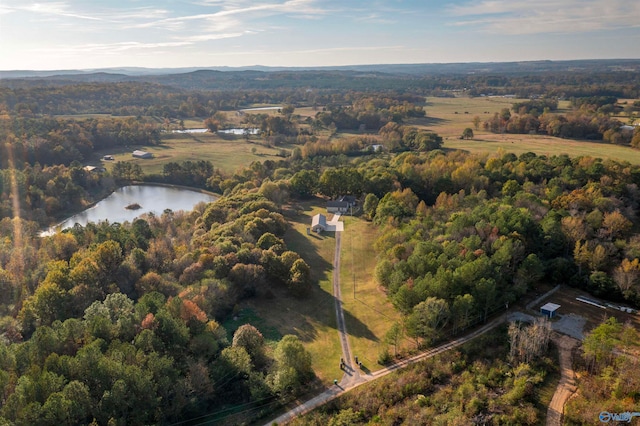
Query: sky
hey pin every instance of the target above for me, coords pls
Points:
(90, 34)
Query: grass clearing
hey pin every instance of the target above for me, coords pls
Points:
(228, 153)
(448, 117)
(312, 318)
(369, 314)
(490, 143)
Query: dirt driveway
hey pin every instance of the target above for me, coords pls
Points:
(567, 385)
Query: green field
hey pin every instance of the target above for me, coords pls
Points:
(312, 318)
(368, 313)
(228, 154)
(448, 117)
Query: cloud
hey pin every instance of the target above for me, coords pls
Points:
(376, 18)
(111, 48)
(232, 9)
(61, 9)
(213, 36)
(547, 16)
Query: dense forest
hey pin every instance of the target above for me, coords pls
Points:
(121, 323)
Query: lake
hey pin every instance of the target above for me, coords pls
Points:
(240, 131)
(190, 131)
(151, 198)
(261, 108)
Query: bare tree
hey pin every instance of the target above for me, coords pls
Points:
(528, 343)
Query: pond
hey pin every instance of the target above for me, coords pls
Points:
(240, 131)
(150, 199)
(267, 108)
(190, 131)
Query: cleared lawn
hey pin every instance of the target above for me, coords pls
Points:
(227, 154)
(311, 318)
(369, 315)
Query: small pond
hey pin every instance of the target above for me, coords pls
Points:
(240, 131)
(190, 131)
(149, 198)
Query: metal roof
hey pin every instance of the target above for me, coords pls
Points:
(550, 307)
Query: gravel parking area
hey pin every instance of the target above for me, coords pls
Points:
(571, 325)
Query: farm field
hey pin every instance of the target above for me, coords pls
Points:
(448, 117)
(227, 154)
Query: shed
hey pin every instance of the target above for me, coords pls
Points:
(319, 223)
(142, 154)
(549, 309)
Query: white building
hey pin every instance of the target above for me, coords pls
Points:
(319, 223)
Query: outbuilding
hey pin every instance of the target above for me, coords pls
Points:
(549, 309)
(142, 154)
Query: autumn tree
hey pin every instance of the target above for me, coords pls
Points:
(249, 338)
(370, 205)
(627, 276)
(529, 342)
(428, 318)
(292, 368)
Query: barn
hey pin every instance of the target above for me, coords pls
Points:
(549, 309)
(142, 154)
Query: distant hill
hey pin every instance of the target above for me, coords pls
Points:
(595, 65)
(352, 77)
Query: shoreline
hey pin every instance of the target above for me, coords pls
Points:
(50, 230)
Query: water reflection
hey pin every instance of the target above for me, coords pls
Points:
(151, 199)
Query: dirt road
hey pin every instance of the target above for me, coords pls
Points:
(567, 385)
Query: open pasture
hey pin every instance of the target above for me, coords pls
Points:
(225, 153)
(448, 117)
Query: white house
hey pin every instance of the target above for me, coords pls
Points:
(319, 223)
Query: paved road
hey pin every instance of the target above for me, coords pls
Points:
(336, 391)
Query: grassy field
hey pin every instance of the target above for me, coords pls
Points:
(228, 154)
(311, 318)
(448, 117)
(368, 314)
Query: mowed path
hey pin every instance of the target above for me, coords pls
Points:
(567, 385)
